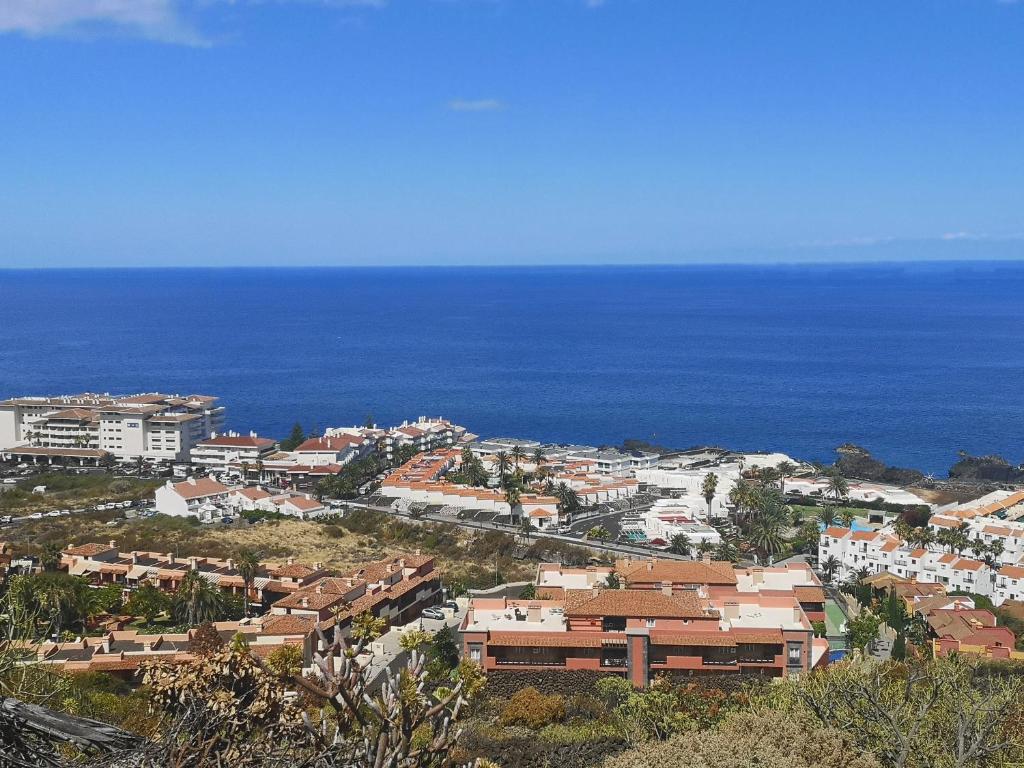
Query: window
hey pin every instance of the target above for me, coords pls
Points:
(794, 654)
(474, 653)
(649, 623)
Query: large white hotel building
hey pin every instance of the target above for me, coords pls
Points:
(86, 426)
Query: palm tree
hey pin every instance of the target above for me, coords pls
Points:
(978, 547)
(680, 544)
(829, 566)
(846, 517)
(518, 454)
(704, 547)
(197, 601)
(538, 456)
(568, 499)
(740, 498)
(996, 548)
(837, 486)
(707, 489)
(140, 464)
(504, 465)
(727, 551)
(766, 536)
(512, 497)
(768, 477)
(248, 565)
(785, 468)
(527, 527)
(827, 515)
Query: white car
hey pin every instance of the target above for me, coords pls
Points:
(36, 516)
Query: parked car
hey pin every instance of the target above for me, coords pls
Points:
(450, 604)
(433, 613)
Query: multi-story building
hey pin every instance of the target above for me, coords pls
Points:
(664, 620)
(425, 434)
(875, 552)
(122, 653)
(396, 590)
(210, 500)
(219, 452)
(104, 564)
(152, 426)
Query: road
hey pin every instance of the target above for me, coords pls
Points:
(612, 547)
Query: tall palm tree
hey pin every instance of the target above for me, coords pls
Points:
(708, 487)
(518, 454)
(766, 536)
(568, 499)
(504, 465)
(786, 468)
(248, 565)
(978, 547)
(704, 547)
(197, 601)
(512, 497)
(740, 498)
(827, 515)
(768, 476)
(538, 456)
(846, 517)
(996, 548)
(527, 528)
(829, 566)
(837, 486)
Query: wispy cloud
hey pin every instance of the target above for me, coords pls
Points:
(475, 105)
(153, 19)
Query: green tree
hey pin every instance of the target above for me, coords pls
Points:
(517, 455)
(197, 601)
(680, 544)
(538, 456)
(504, 464)
(827, 515)
(704, 547)
(598, 533)
(413, 639)
(148, 602)
(829, 566)
(568, 499)
(708, 487)
(785, 468)
(862, 629)
(367, 627)
(727, 551)
(247, 563)
(846, 517)
(512, 497)
(295, 438)
(837, 486)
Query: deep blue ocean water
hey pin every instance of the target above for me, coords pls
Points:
(912, 361)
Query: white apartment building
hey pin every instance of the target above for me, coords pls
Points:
(614, 462)
(149, 425)
(879, 551)
(190, 496)
(218, 452)
(339, 449)
(425, 434)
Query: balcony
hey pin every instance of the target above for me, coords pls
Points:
(529, 662)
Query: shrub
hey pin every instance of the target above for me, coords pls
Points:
(533, 709)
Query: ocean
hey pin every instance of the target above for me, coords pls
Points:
(914, 362)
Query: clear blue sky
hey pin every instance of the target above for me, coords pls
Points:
(185, 132)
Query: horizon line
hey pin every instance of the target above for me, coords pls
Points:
(539, 265)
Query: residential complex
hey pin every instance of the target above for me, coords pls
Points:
(83, 428)
(293, 600)
(991, 529)
(666, 617)
(210, 500)
(220, 452)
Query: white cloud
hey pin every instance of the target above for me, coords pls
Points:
(152, 19)
(475, 105)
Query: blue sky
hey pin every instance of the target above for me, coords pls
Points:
(195, 132)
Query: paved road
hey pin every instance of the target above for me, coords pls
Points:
(611, 546)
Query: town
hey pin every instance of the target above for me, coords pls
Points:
(661, 565)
